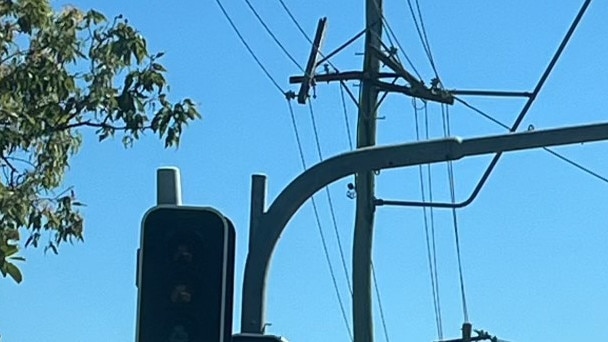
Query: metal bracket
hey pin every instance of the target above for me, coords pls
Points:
(309, 73)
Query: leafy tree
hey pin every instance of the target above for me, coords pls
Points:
(62, 72)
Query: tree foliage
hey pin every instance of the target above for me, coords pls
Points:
(62, 72)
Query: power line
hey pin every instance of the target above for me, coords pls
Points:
(380, 306)
(320, 229)
(376, 286)
(295, 21)
(431, 247)
(272, 35)
(480, 112)
(328, 194)
(432, 220)
(577, 165)
(329, 200)
(450, 169)
(551, 151)
(346, 122)
(407, 58)
(257, 60)
(420, 28)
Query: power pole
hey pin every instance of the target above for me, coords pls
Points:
(371, 84)
(364, 181)
(267, 225)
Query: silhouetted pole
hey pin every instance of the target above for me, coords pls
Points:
(364, 181)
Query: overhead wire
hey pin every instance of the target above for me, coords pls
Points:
(551, 151)
(401, 49)
(478, 111)
(343, 87)
(432, 221)
(328, 193)
(426, 39)
(422, 35)
(307, 37)
(295, 21)
(524, 111)
(272, 35)
(242, 39)
(380, 307)
(450, 170)
(303, 161)
(346, 121)
(321, 233)
(329, 199)
(302, 31)
(375, 279)
(429, 221)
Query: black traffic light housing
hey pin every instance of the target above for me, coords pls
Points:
(185, 275)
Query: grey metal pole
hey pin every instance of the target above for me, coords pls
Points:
(268, 226)
(168, 186)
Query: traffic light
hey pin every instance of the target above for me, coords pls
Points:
(185, 276)
(245, 337)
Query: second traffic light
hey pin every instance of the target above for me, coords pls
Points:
(186, 275)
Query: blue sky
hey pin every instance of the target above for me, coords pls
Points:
(533, 243)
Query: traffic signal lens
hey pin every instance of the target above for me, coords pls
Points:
(183, 254)
(181, 295)
(178, 334)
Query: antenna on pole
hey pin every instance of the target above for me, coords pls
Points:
(168, 186)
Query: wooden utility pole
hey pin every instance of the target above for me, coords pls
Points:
(267, 225)
(364, 181)
(371, 83)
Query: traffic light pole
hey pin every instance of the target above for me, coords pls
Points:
(168, 186)
(266, 226)
(185, 269)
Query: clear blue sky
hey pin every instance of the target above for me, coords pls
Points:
(534, 243)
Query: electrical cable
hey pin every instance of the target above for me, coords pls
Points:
(329, 199)
(272, 35)
(407, 58)
(330, 202)
(426, 39)
(346, 122)
(486, 175)
(421, 30)
(376, 286)
(551, 151)
(450, 169)
(295, 21)
(380, 307)
(432, 220)
(478, 111)
(429, 221)
(390, 31)
(322, 235)
(257, 60)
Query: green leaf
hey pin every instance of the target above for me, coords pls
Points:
(158, 67)
(14, 272)
(96, 17)
(63, 74)
(9, 250)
